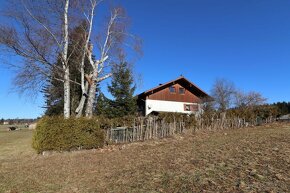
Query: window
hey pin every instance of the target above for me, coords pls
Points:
(172, 89)
(187, 107)
(190, 107)
(181, 90)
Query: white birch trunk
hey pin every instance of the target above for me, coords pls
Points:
(86, 46)
(66, 84)
(84, 85)
(79, 110)
(97, 65)
(92, 93)
(91, 97)
(98, 68)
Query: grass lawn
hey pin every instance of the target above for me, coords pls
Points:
(242, 160)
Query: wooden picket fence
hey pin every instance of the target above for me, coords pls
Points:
(145, 128)
(215, 124)
(233, 123)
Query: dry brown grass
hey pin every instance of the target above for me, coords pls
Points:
(243, 160)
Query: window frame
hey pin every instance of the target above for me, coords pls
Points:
(185, 107)
(172, 91)
(191, 107)
(181, 88)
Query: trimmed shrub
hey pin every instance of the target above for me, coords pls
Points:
(59, 134)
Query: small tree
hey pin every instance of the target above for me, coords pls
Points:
(103, 105)
(223, 92)
(122, 89)
(250, 99)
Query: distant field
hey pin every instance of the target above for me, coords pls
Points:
(242, 160)
(5, 127)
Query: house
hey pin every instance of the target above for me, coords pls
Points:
(6, 123)
(179, 95)
(284, 118)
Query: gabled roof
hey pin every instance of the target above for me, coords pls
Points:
(183, 82)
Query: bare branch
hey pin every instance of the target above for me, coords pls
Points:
(44, 26)
(104, 77)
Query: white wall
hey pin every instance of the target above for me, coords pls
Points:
(165, 106)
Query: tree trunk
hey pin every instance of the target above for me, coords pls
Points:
(66, 84)
(79, 109)
(92, 94)
(91, 99)
(66, 88)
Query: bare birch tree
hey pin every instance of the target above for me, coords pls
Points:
(38, 32)
(41, 37)
(109, 43)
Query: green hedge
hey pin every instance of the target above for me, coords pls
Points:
(59, 134)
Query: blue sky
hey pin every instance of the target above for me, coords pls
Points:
(244, 41)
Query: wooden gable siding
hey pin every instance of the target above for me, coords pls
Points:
(166, 95)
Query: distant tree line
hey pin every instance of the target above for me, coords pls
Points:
(283, 107)
(17, 121)
(234, 102)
